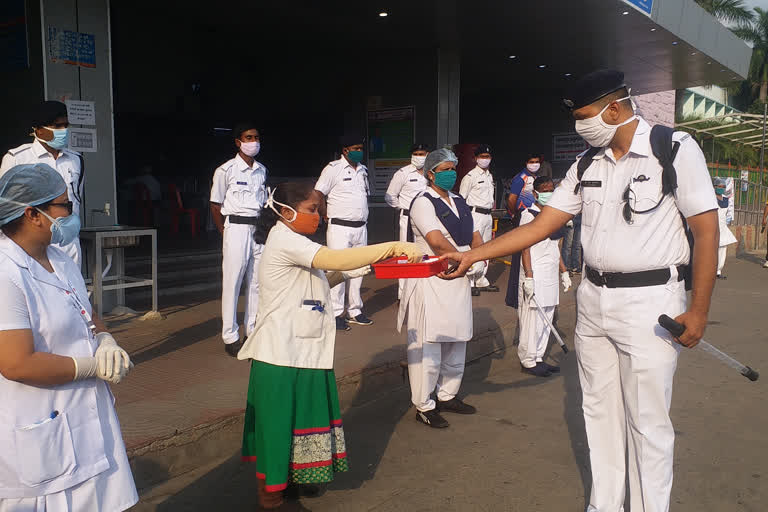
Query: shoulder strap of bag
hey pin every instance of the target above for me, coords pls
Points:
(581, 166)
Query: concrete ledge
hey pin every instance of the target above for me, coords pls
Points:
(159, 460)
(749, 239)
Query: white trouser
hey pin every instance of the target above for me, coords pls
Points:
(241, 255)
(626, 364)
(483, 224)
(534, 333)
(404, 220)
(432, 366)
(343, 237)
(722, 252)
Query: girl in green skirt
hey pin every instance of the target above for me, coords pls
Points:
(293, 431)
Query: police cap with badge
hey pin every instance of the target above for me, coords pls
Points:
(590, 88)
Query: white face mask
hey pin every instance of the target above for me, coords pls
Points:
(418, 161)
(533, 168)
(483, 163)
(250, 148)
(596, 132)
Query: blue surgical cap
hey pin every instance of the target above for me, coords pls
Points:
(439, 156)
(28, 185)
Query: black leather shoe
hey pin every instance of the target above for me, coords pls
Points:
(475, 292)
(233, 348)
(455, 405)
(489, 288)
(431, 419)
(552, 369)
(341, 324)
(538, 371)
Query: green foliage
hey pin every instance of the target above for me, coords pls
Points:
(728, 11)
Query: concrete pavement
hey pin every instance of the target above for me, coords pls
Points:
(525, 449)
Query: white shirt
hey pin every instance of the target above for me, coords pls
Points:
(477, 188)
(406, 184)
(424, 220)
(239, 188)
(67, 165)
(545, 264)
(74, 445)
(447, 305)
(286, 332)
(655, 239)
(347, 190)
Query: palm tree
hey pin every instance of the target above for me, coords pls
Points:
(728, 11)
(756, 33)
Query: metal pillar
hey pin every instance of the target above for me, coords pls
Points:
(448, 89)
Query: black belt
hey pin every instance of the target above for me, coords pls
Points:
(348, 223)
(484, 211)
(237, 219)
(634, 279)
(404, 211)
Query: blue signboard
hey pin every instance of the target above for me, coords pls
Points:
(74, 48)
(643, 5)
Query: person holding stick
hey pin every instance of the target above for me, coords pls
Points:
(637, 189)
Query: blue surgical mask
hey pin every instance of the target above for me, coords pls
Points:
(64, 230)
(60, 138)
(544, 197)
(445, 179)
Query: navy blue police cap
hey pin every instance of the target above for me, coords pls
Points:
(482, 148)
(351, 139)
(590, 88)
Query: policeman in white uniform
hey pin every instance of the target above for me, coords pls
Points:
(237, 197)
(406, 184)
(344, 183)
(479, 190)
(636, 255)
(726, 237)
(50, 127)
(439, 312)
(540, 266)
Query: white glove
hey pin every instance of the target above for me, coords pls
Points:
(569, 224)
(358, 272)
(476, 269)
(113, 363)
(528, 287)
(565, 278)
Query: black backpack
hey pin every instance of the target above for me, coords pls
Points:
(665, 151)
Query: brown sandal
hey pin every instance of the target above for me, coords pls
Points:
(268, 500)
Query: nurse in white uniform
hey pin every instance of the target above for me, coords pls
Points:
(726, 237)
(439, 312)
(61, 449)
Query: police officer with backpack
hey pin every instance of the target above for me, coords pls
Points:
(637, 190)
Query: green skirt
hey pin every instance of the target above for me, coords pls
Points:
(293, 428)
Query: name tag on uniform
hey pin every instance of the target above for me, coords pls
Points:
(413, 181)
(347, 179)
(479, 182)
(242, 183)
(596, 184)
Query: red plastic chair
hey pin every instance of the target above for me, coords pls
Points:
(143, 214)
(178, 210)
